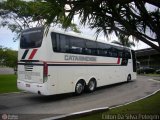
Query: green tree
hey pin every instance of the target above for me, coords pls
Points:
(2, 55)
(137, 18)
(8, 57)
(11, 58)
(18, 15)
(124, 41)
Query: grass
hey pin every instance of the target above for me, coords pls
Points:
(8, 83)
(149, 107)
(153, 75)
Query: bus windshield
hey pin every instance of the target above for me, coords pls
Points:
(31, 38)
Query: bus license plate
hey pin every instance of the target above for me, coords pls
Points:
(27, 85)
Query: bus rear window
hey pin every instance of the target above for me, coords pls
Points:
(31, 38)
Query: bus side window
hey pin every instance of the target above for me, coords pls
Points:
(101, 49)
(120, 54)
(76, 45)
(123, 54)
(64, 43)
(91, 48)
(114, 51)
(55, 42)
(128, 55)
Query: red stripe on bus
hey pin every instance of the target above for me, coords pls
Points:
(118, 61)
(56, 62)
(32, 54)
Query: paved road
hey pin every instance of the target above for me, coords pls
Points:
(42, 106)
(6, 70)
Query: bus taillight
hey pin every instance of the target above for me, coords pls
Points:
(45, 69)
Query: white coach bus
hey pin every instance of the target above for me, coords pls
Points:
(61, 62)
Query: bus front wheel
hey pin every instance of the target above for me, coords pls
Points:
(128, 78)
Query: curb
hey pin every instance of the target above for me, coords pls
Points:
(78, 114)
(96, 110)
(155, 80)
(13, 93)
(9, 93)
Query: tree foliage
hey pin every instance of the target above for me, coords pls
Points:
(18, 15)
(124, 41)
(8, 57)
(137, 18)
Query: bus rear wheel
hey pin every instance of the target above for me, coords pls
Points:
(91, 86)
(79, 88)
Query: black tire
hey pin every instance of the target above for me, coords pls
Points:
(91, 86)
(79, 88)
(128, 78)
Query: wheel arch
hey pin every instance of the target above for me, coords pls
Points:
(82, 80)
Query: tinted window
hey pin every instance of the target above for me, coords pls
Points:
(64, 43)
(119, 52)
(126, 54)
(55, 42)
(91, 48)
(114, 51)
(101, 49)
(60, 42)
(77, 45)
(70, 44)
(31, 38)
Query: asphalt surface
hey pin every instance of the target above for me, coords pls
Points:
(6, 70)
(27, 105)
